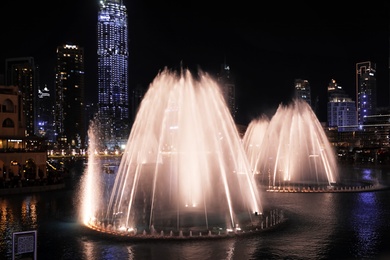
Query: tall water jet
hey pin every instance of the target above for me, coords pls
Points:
(91, 184)
(184, 166)
(294, 149)
(253, 140)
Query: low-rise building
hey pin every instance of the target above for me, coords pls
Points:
(19, 164)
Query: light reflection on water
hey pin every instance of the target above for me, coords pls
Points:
(17, 217)
(367, 175)
(351, 225)
(366, 222)
(28, 212)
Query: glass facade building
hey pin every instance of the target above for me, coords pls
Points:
(113, 93)
(341, 108)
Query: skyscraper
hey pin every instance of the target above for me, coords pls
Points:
(113, 93)
(22, 72)
(69, 100)
(365, 90)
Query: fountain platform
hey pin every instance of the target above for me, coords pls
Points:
(332, 189)
(274, 219)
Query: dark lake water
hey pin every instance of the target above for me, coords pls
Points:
(347, 225)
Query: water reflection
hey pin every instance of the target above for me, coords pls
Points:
(366, 223)
(351, 225)
(228, 249)
(87, 249)
(29, 212)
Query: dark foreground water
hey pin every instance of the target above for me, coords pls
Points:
(351, 225)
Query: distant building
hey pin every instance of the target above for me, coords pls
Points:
(341, 109)
(366, 92)
(69, 97)
(302, 90)
(228, 88)
(45, 118)
(22, 72)
(113, 96)
(375, 132)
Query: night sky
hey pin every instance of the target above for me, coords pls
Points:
(266, 45)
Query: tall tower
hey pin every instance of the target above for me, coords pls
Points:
(22, 72)
(113, 95)
(69, 100)
(365, 90)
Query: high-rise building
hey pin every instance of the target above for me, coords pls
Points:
(366, 103)
(341, 109)
(22, 72)
(113, 89)
(69, 97)
(228, 88)
(302, 90)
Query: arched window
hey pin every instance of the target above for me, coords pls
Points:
(8, 123)
(7, 106)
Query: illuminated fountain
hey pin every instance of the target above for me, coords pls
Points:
(291, 151)
(184, 170)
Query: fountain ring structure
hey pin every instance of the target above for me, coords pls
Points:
(261, 223)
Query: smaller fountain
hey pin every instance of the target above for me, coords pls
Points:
(291, 151)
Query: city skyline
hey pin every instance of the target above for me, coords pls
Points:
(266, 48)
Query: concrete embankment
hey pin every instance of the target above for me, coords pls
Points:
(31, 189)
